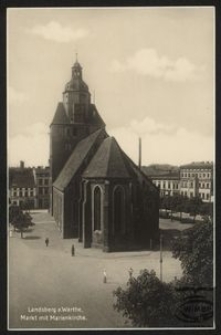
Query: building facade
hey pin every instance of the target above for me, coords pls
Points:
(168, 184)
(98, 194)
(196, 180)
(22, 188)
(190, 180)
(29, 187)
(42, 179)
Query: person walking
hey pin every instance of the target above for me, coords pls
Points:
(105, 277)
(72, 250)
(47, 242)
(131, 272)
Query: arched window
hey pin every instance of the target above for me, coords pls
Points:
(119, 211)
(97, 208)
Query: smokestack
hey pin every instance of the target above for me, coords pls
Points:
(140, 153)
(22, 164)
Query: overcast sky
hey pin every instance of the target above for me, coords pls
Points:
(152, 71)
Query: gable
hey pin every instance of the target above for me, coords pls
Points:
(78, 158)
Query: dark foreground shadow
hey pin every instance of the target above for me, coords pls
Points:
(29, 230)
(31, 237)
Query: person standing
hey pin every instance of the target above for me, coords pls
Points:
(105, 277)
(131, 272)
(72, 250)
(47, 242)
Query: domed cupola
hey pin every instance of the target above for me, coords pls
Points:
(76, 83)
(76, 96)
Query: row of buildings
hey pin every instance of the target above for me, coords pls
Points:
(191, 180)
(29, 187)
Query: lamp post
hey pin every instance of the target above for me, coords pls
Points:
(161, 257)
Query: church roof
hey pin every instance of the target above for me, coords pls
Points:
(94, 117)
(108, 162)
(60, 116)
(76, 159)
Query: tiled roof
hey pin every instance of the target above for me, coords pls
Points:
(108, 162)
(168, 177)
(77, 158)
(60, 116)
(94, 116)
(21, 178)
(198, 165)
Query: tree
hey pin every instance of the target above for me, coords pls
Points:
(148, 302)
(145, 300)
(21, 221)
(194, 248)
(194, 205)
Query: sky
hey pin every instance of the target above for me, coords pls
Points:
(150, 72)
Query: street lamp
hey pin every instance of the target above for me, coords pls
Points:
(161, 257)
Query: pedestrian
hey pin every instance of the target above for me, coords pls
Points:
(47, 242)
(130, 272)
(105, 277)
(72, 250)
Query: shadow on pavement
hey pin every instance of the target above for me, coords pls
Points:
(31, 237)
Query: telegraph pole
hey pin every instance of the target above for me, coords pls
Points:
(161, 257)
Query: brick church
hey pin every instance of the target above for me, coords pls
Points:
(98, 194)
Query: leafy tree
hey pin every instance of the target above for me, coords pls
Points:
(194, 248)
(148, 302)
(145, 300)
(194, 205)
(21, 221)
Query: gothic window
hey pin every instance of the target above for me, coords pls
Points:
(119, 211)
(97, 208)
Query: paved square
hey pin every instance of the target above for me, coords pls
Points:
(48, 288)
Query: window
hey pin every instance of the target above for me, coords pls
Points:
(168, 184)
(119, 210)
(74, 131)
(207, 196)
(97, 208)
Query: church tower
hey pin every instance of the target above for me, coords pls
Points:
(75, 118)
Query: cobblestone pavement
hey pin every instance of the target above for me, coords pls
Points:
(48, 288)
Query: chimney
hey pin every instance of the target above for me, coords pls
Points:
(22, 164)
(140, 153)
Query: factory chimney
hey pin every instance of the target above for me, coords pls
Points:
(140, 153)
